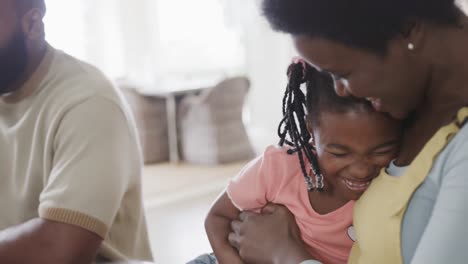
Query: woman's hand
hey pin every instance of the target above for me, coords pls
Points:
(271, 237)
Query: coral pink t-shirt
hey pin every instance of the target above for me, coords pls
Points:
(276, 177)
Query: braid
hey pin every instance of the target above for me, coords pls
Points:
(294, 125)
(284, 121)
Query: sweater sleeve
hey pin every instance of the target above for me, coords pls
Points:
(95, 157)
(445, 238)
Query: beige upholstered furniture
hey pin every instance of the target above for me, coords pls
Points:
(151, 121)
(211, 127)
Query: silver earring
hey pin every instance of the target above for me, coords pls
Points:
(410, 46)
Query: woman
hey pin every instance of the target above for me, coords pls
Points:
(410, 59)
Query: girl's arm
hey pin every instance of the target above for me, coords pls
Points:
(252, 188)
(217, 225)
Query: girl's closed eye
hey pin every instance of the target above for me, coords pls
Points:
(386, 149)
(338, 150)
(339, 154)
(384, 152)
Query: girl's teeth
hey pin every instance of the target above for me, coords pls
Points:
(357, 186)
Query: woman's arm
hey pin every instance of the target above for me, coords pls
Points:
(217, 225)
(269, 237)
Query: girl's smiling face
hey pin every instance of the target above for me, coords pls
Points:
(352, 148)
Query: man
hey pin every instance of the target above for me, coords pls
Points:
(70, 164)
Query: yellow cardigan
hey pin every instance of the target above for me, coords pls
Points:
(379, 213)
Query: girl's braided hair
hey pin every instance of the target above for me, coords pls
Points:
(300, 107)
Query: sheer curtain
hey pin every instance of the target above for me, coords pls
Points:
(88, 30)
(71, 37)
(148, 40)
(153, 42)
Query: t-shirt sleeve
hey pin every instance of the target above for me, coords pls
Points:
(445, 238)
(253, 187)
(95, 157)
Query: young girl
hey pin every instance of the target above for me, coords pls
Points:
(331, 148)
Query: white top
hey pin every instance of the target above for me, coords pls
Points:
(310, 262)
(434, 228)
(394, 170)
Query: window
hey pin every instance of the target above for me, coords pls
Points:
(182, 39)
(88, 30)
(70, 38)
(195, 39)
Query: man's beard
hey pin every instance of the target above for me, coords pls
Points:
(13, 61)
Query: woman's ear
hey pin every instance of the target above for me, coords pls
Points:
(414, 35)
